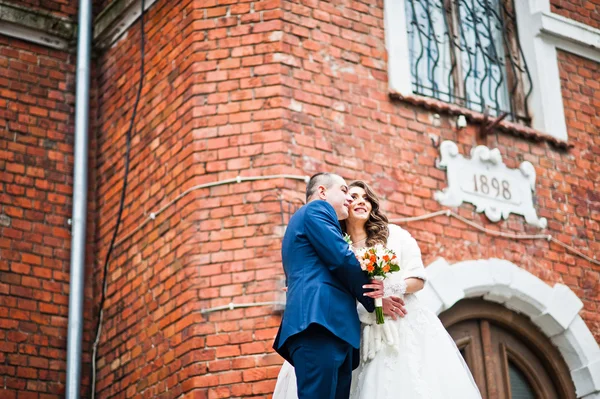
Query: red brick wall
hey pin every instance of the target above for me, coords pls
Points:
(348, 124)
(211, 109)
(246, 88)
(36, 163)
(584, 11)
(578, 175)
(289, 88)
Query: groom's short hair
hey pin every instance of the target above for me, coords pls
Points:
(319, 179)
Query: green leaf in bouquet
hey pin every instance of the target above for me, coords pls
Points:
(348, 239)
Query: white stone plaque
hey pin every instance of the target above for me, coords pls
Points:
(486, 182)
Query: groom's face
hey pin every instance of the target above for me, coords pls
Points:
(337, 196)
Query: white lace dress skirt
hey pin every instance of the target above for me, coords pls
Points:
(286, 386)
(412, 357)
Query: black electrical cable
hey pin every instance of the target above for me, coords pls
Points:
(123, 193)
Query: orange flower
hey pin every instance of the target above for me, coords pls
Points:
(386, 268)
(386, 258)
(370, 267)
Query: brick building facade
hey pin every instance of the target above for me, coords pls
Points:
(256, 89)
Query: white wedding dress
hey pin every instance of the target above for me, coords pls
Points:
(413, 357)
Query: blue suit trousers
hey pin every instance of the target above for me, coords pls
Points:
(323, 364)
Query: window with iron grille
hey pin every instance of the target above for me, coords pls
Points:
(467, 52)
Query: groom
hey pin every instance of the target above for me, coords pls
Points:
(320, 330)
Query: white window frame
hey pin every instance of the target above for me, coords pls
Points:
(541, 32)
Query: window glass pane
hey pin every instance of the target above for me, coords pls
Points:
(483, 55)
(460, 52)
(519, 387)
(429, 49)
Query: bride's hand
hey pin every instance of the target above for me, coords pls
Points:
(393, 307)
(376, 286)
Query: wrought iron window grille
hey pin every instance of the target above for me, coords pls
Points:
(467, 52)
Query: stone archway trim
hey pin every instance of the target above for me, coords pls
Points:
(555, 310)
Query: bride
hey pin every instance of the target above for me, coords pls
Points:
(412, 357)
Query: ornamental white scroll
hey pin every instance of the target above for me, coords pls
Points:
(486, 182)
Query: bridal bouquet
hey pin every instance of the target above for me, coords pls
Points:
(378, 261)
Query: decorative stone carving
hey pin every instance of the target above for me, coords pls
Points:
(486, 182)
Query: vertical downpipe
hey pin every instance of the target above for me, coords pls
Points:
(80, 186)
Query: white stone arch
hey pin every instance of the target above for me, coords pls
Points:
(555, 310)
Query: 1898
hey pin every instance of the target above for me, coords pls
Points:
(491, 186)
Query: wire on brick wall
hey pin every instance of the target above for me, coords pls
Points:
(547, 237)
(444, 212)
(121, 202)
(232, 306)
(238, 179)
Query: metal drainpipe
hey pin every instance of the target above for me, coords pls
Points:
(80, 186)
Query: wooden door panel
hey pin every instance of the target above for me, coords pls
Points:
(497, 343)
(513, 351)
(467, 337)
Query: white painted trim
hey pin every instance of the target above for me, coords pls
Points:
(34, 26)
(32, 35)
(540, 32)
(538, 5)
(396, 40)
(109, 28)
(569, 35)
(555, 310)
(545, 103)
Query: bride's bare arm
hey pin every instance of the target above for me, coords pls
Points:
(414, 284)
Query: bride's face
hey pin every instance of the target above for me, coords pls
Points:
(360, 208)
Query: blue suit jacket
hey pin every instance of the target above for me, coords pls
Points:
(324, 279)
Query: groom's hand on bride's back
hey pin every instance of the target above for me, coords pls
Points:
(393, 307)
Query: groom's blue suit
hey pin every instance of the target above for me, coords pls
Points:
(320, 329)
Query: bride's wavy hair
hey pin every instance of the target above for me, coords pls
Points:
(377, 225)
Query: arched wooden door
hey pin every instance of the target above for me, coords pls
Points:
(510, 358)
